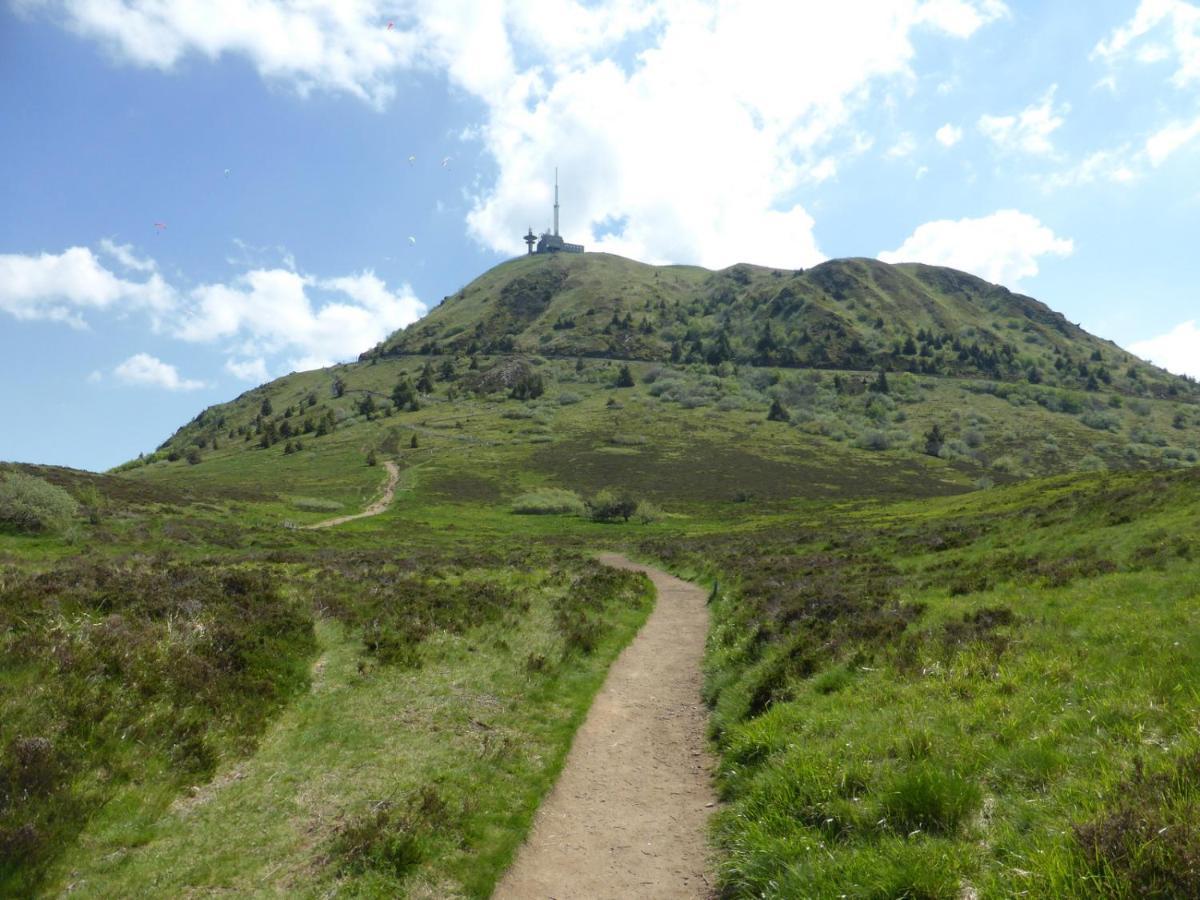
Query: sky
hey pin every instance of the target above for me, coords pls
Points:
(198, 197)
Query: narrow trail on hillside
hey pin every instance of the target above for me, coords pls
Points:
(628, 815)
(384, 501)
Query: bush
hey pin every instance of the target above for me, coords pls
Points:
(548, 502)
(647, 512)
(32, 504)
(567, 398)
(874, 440)
(608, 506)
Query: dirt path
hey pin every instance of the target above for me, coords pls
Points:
(384, 501)
(627, 817)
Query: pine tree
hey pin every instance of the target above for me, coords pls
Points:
(934, 440)
(625, 377)
(425, 382)
(778, 412)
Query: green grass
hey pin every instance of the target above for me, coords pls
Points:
(476, 732)
(884, 733)
(917, 687)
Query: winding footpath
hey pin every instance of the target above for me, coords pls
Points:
(628, 815)
(384, 501)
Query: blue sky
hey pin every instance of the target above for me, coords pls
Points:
(1052, 147)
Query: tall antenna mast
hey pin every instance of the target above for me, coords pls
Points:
(556, 200)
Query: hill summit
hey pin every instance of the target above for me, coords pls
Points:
(856, 314)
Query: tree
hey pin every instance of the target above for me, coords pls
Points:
(579, 364)
(446, 370)
(625, 377)
(371, 458)
(530, 387)
(413, 442)
(366, 406)
(778, 413)
(934, 440)
(193, 456)
(266, 406)
(339, 387)
(425, 382)
(608, 506)
(405, 396)
(881, 383)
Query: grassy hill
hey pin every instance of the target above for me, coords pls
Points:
(952, 604)
(855, 314)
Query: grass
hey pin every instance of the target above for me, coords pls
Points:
(347, 789)
(917, 688)
(884, 733)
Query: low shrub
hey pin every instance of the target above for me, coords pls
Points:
(315, 504)
(608, 506)
(548, 502)
(31, 504)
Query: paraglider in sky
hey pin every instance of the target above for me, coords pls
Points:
(391, 25)
(445, 162)
(226, 173)
(412, 241)
(160, 227)
(411, 160)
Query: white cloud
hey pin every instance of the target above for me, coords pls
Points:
(123, 254)
(1029, 130)
(61, 287)
(1003, 247)
(699, 163)
(904, 146)
(960, 18)
(1128, 163)
(271, 312)
(948, 135)
(261, 313)
(1176, 351)
(144, 370)
(254, 370)
(335, 45)
(1159, 30)
(1121, 165)
(1170, 138)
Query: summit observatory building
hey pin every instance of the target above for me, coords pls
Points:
(551, 242)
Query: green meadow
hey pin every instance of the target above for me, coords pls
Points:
(954, 596)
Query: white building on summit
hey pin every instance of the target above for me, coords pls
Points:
(551, 242)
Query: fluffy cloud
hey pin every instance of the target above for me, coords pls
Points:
(253, 370)
(1159, 30)
(337, 45)
(61, 287)
(144, 370)
(904, 146)
(664, 156)
(1176, 351)
(948, 135)
(675, 160)
(1129, 162)
(1003, 247)
(265, 312)
(271, 311)
(1029, 130)
(1169, 139)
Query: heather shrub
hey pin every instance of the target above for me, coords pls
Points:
(32, 504)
